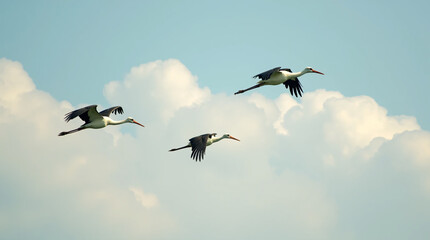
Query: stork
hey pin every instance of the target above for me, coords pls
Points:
(280, 75)
(198, 144)
(95, 119)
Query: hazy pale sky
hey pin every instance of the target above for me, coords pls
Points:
(349, 160)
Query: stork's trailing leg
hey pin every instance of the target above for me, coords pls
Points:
(242, 91)
(72, 131)
(176, 149)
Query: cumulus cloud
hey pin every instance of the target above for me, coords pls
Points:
(67, 184)
(163, 87)
(14, 81)
(325, 167)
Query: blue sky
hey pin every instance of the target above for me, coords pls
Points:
(349, 160)
(374, 48)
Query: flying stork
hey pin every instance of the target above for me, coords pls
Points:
(198, 144)
(95, 119)
(280, 75)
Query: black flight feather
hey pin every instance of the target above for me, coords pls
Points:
(295, 86)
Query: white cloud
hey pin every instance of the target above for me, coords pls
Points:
(163, 87)
(147, 200)
(14, 81)
(326, 167)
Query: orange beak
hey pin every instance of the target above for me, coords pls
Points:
(234, 138)
(138, 123)
(317, 72)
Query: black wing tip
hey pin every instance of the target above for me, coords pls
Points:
(198, 156)
(117, 110)
(68, 117)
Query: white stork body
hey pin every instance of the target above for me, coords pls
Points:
(99, 123)
(104, 122)
(198, 144)
(94, 119)
(275, 79)
(277, 76)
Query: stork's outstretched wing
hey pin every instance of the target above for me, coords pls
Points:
(266, 75)
(109, 111)
(295, 86)
(87, 114)
(286, 69)
(198, 146)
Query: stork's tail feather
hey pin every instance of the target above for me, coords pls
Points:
(176, 149)
(72, 131)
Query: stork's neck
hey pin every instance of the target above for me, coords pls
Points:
(298, 74)
(217, 139)
(113, 122)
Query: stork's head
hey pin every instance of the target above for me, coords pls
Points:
(310, 70)
(228, 136)
(131, 120)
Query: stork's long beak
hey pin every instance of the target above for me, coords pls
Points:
(315, 71)
(234, 138)
(138, 123)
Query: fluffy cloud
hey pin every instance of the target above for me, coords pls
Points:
(327, 167)
(14, 82)
(64, 188)
(163, 87)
